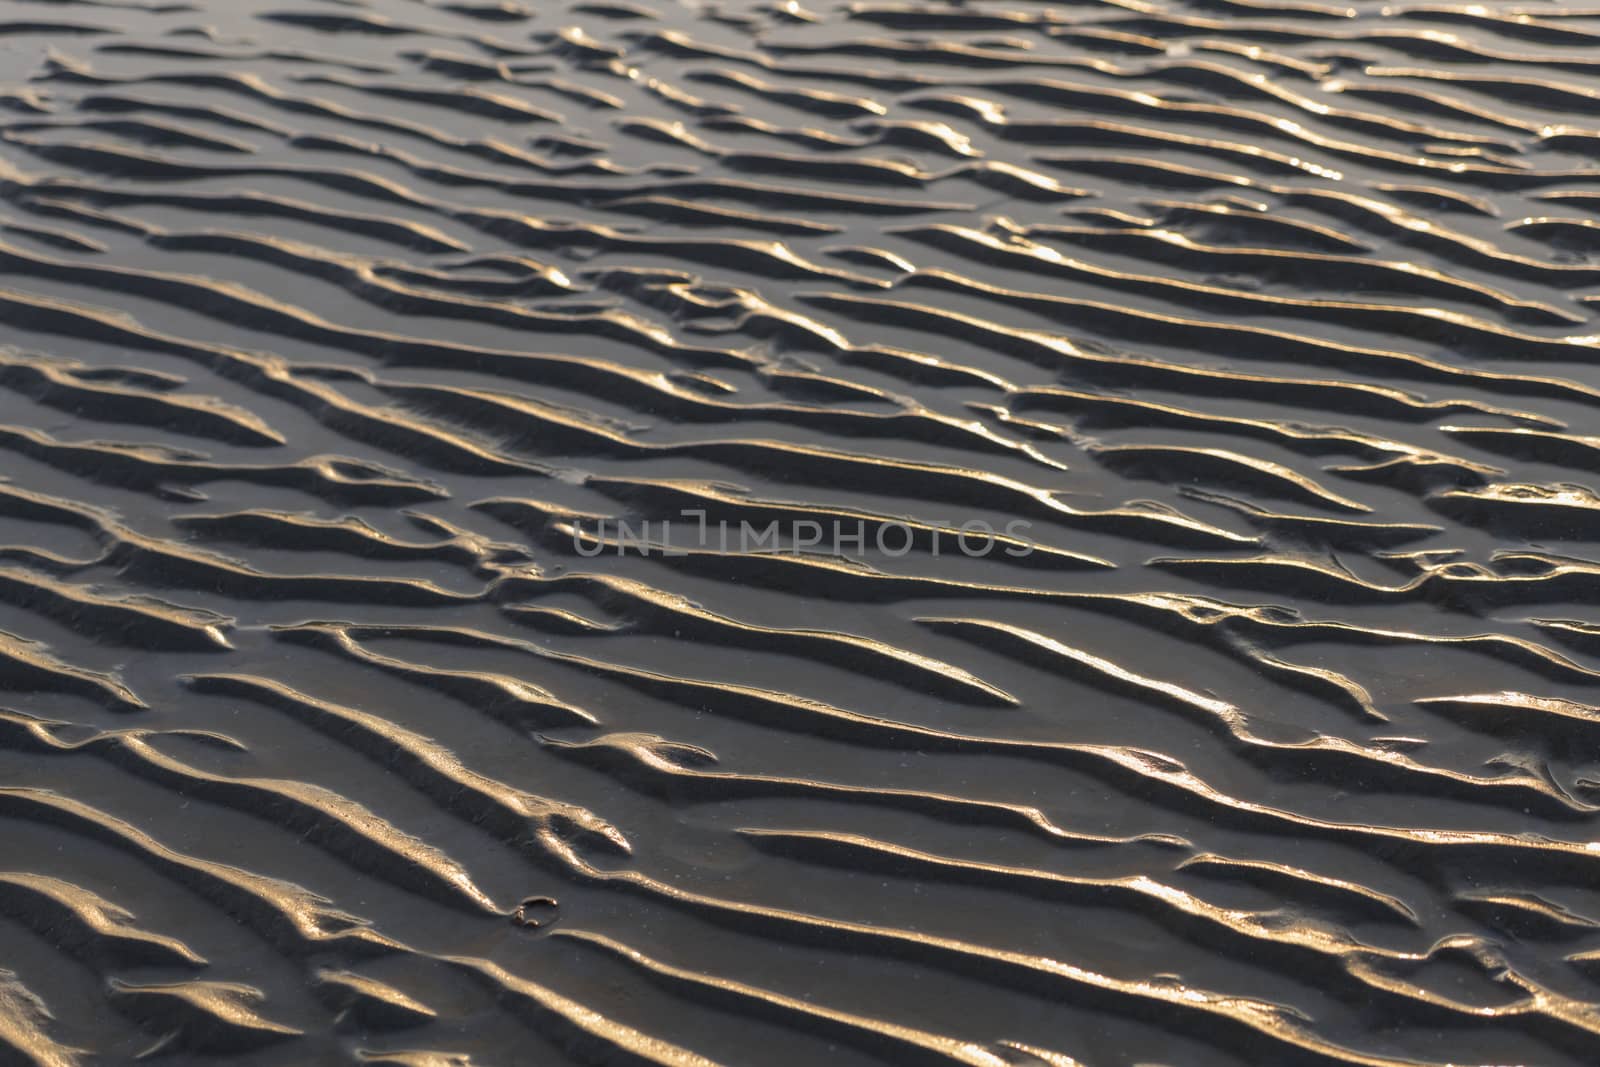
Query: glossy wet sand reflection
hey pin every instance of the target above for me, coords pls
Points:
(382, 380)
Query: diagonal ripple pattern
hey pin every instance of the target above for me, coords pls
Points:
(680, 533)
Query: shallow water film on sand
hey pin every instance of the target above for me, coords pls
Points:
(776, 534)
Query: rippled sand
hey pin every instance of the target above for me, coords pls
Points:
(366, 359)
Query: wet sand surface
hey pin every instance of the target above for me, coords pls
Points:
(363, 360)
